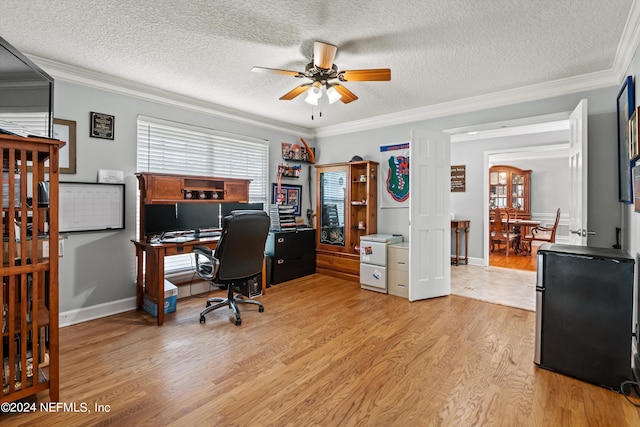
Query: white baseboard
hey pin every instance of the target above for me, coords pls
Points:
(85, 314)
(71, 317)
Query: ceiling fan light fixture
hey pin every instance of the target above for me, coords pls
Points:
(311, 98)
(333, 94)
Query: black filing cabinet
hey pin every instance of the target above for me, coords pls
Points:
(293, 254)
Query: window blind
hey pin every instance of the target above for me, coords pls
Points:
(176, 148)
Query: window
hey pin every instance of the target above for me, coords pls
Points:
(170, 147)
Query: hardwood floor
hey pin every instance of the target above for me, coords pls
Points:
(498, 258)
(323, 353)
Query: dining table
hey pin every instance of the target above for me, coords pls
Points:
(521, 227)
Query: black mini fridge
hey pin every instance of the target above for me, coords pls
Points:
(584, 306)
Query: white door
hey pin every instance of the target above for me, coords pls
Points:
(578, 173)
(430, 218)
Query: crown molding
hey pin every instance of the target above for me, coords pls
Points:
(535, 92)
(629, 42)
(628, 47)
(121, 86)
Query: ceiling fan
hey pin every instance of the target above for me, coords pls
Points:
(321, 71)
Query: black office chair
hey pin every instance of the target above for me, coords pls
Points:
(237, 260)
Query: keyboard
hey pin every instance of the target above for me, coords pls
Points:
(181, 239)
(209, 234)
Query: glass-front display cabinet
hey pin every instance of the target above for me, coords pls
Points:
(509, 188)
(346, 206)
(333, 190)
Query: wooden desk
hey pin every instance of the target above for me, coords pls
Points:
(154, 254)
(461, 224)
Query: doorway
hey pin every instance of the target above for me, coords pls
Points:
(548, 191)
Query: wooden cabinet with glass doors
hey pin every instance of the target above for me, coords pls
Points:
(509, 188)
(347, 203)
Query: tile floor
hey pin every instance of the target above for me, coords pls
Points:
(514, 288)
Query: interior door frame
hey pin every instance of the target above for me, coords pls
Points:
(531, 152)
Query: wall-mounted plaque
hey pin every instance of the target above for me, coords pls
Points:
(101, 126)
(458, 179)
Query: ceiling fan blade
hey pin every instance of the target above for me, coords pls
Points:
(372, 75)
(347, 95)
(323, 55)
(276, 71)
(295, 92)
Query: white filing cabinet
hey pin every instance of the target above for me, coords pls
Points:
(373, 260)
(399, 269)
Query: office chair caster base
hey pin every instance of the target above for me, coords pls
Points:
(202, 319)
(238, 322)
(261, 309)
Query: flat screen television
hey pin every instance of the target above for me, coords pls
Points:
(226, 208)
(198, 216)
(26, 95)
(159, 219)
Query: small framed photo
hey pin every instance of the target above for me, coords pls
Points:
(634, 151)
(635, 174)
(102, 126)
(288, 195)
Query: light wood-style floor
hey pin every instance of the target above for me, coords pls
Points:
(498, 258)
(323, 353)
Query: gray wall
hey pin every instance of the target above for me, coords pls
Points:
(99, 268)
(603, 207)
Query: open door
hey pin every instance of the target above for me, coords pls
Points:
(430, 218)
(578, 173)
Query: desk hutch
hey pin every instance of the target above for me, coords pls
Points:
(157, 188)
(347, 203)
(29, 297)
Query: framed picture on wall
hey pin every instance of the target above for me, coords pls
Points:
(636, 187)
(625, 108)
(288, 195)
(633, 135)
(65, 130)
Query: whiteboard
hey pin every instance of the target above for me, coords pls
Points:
(90, 206)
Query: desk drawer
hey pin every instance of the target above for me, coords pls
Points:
(398, 258)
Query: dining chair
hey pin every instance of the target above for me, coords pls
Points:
(541, 234)
(502, 233)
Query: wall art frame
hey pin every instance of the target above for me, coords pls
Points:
(291, 195)
(625, 106)
(102, 126)
(65, 130)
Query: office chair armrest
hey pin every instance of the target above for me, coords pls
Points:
(207, 268)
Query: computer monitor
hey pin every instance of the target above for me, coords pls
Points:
(198, 216)
(226, 208)
(159, 219)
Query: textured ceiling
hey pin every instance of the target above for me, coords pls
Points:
(438, 50)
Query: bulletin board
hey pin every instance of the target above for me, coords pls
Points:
(90, 206)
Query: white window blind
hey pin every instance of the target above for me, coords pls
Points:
(170, 147)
